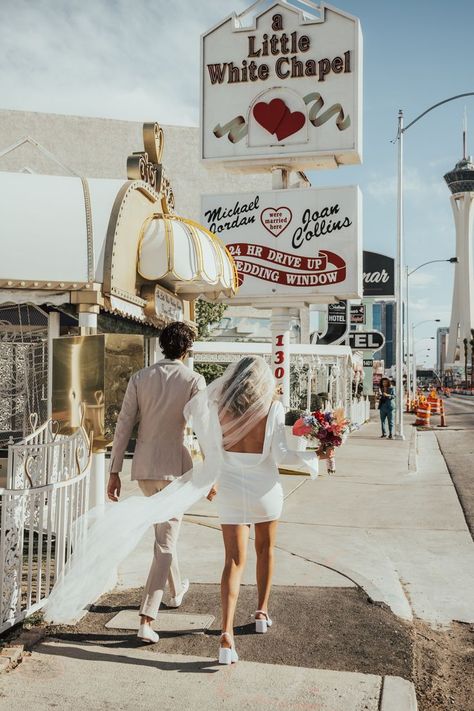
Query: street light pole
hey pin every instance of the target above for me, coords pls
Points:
(413, 326)
(410, 385)
(407, 344)
(399, 262)
(399, 434)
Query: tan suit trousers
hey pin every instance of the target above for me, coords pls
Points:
(164, 566)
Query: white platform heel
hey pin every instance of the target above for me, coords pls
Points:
(262, 625)
(228, 655)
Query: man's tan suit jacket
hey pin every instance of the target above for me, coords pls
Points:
(155, 398)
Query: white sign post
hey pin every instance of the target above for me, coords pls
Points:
(283, 93)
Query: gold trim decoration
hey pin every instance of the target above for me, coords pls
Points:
(154, 141)
(167, 195)
(89, 230)
(147, 166)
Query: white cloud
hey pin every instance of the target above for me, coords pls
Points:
(419, 304)
(129, 60)
(415, 185)
(420, 279)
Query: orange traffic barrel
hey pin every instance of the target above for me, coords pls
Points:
(423, 414)
(434, 403)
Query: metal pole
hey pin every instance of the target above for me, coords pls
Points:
(53, 332)
(413, 375)
(281, 317)
(407, 342)
(88, 323)
(399, 287)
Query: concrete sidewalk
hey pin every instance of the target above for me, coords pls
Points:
(78, 676)
(399, 535)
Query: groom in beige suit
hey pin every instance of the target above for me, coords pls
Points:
(155, 399)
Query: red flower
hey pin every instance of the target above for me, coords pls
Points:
(300, 428)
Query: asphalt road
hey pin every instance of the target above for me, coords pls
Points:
(456, 442)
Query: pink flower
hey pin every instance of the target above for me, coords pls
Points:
(300, 428)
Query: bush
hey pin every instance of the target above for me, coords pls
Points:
(291, 417)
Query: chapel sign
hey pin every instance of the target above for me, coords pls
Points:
(291, 246)
(287, 88)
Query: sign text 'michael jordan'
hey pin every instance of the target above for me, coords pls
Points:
(283, 51)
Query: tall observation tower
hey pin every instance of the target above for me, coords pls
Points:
(460, 181)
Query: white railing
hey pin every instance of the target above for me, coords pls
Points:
(48, 489)
(43, 457)
(360, 411)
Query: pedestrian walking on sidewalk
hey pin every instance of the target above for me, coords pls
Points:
(155, 399)
(387, 406)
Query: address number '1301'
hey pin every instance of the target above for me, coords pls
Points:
(279, 359)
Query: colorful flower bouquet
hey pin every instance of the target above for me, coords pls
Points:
(323, 430)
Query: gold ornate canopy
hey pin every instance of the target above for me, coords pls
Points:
(147, 243)
(185, 257)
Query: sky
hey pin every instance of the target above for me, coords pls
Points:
(140, 61)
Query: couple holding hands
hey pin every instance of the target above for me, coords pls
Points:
(239, 424)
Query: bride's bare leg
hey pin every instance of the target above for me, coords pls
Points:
(265, 537)
(235, 543)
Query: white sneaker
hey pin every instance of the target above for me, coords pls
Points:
(147, 634)
(176, 601)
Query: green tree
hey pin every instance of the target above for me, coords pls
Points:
(208, 317)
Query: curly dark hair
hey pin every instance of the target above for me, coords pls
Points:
(177, 339)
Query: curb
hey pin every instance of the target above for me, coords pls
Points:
(397, 695)
(10, 657)
(412, 452)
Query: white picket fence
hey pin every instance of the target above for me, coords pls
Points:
(360, 411)
(47, 490)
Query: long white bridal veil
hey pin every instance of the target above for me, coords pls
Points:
(220, 416)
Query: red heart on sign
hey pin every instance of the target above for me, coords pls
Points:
(290, 124)
(270, 115)
(276, 219)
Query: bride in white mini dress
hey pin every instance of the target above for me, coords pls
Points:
(240, 429)
(249, 489)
